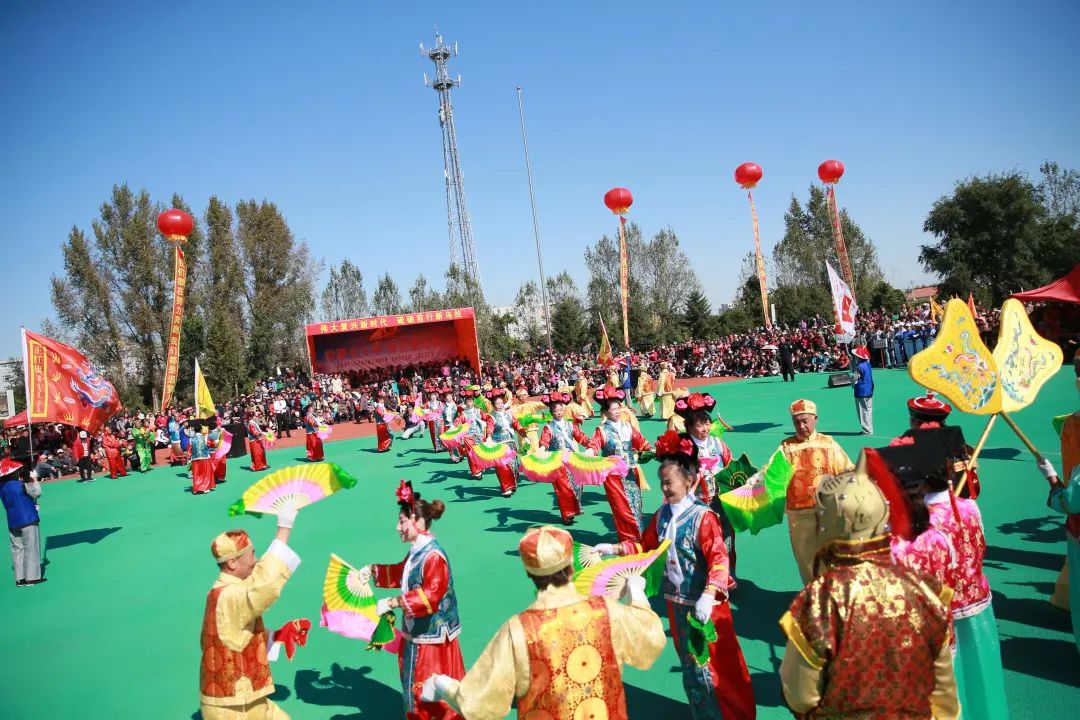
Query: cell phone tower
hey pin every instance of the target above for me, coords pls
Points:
(458, 225)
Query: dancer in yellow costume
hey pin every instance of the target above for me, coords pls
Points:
(582, 396)
(235, 680)
(645, 392)
(562, 657)
(812, 455)
(665, 389)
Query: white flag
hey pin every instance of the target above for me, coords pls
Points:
(844, 305)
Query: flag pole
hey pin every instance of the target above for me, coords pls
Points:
(26, 391)
(536, 226)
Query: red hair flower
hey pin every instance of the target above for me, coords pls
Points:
(671, 444)
(405, 494)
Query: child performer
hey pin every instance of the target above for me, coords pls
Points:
(616, 436)
(480, 428)
(382, 429)
(448, 418)
(558, 435)
(213, 441)
(434, 420)
(696, 582)
(256, 441)
(504, 430)
(202, 468)
(311, 430)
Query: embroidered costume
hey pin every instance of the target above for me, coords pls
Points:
(697, 561)
(202, 468)
(144, 447)
(561, 658)
(256, 445)
(810, 459)
(623, 493)
(506, 429)
(314, 442)
(559, 435)
(665, 389)
(234, 678)
(382, 430)
(431, 624)
(213, 441)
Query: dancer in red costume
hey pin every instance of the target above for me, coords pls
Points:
(428, 602)
(696, 583)
(382, 429)
(113, 454)
(314, 442)
(563, 434)
(256, 445)
(213, 441)
(616, 436)
(480, 428)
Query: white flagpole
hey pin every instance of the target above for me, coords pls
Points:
(26, 390)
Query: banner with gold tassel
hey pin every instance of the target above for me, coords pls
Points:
(176, 226)
(747, 175)
(830, 172)
(618, 201)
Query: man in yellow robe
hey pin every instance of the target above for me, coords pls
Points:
(582, 396)
(234, 679)
(665, 390)
(645, 391)
(811, 454)
(562, 657)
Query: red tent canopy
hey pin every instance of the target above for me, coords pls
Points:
(16, 420)
(1066, 289)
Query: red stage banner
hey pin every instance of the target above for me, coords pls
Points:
(393, 341)
(62, 386)
(172, 357)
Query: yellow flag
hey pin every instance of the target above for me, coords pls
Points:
(936, 310)
(204, 404)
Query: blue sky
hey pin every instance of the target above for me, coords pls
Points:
(320, 107)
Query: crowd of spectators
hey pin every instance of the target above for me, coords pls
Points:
(283, 400)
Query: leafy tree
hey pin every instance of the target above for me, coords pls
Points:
(995, 236)
(225, 365)
(569, 329)
(562, 286)
(697, 317)
(808, 241)
(115, 295)
(799, 303)
(387, 298)
(15, 380)
(279, 288)
(886, 296)
(1059, 190)
(422, 297)
(530, 315)
(344, 296)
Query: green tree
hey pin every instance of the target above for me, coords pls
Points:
(386, 299)
(799, 258)
(569, 329)
(697, 317)
(799, 303)
(529, 317)
(279, 289)
(344, 296)
(994, 236)
(423, 297)
(886, 296)
(225, 364)
(15, 380)
(115, 296)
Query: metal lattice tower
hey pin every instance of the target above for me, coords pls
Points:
(459, 227)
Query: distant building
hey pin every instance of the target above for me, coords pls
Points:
(921, 294)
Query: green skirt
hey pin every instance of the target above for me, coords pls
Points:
(980, 681)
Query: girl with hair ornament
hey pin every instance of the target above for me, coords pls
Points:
(696, 583)
(428, 603)
(505, 429)
(617, 436)
(563, 434)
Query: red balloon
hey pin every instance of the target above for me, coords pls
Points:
(175, 224)
(830, 171)
(748, 175)
(618, 200)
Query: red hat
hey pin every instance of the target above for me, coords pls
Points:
(927, 408)
(8, 466)
(861, 352)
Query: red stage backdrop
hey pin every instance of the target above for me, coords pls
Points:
(393, 340)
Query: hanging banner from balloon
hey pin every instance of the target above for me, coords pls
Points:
(618, 201)
(176, 226)
(748, 175)
(830, 173)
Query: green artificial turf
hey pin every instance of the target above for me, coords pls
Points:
(115, 631)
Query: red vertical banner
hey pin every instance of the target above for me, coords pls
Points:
(838, 238)
(760, 261)
(624, 283)
(172, 357)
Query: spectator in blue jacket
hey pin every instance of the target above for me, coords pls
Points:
(23, 531)
(863, 385)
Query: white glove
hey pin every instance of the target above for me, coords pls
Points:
(434, 688)
(286, 517)
(605, 548)
(365, 574)
(1046, 468)
(634, 590)
(754, 480)
(590, 452)
(704, 606)
(383, 606)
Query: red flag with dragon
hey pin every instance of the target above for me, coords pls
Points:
(63, 386)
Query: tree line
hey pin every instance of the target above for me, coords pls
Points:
(252, 284)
